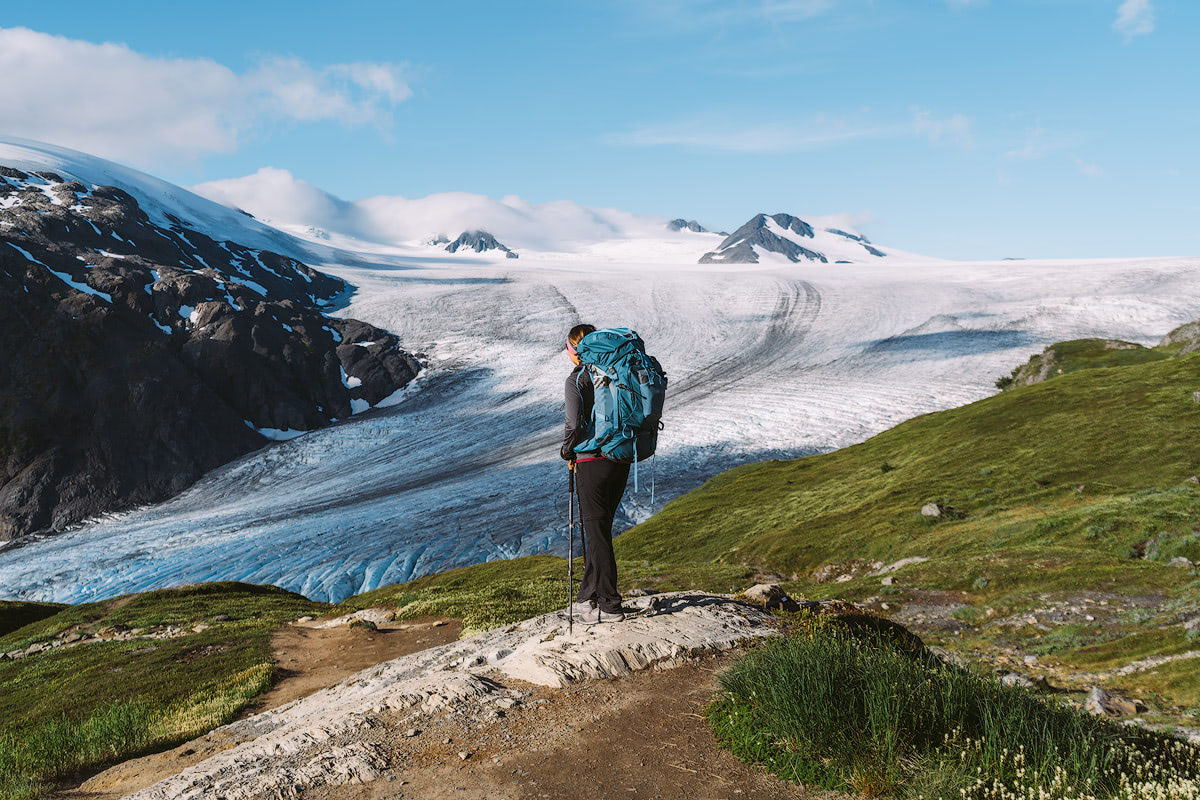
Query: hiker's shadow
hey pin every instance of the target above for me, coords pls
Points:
(675, 604)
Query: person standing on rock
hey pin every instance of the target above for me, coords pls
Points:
(600, 483)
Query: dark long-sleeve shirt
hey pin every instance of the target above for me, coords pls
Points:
(579, 396)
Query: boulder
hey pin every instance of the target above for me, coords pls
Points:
(1107, 704)
(367, 617)
(770, 595)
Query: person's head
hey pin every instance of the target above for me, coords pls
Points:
(577, 333)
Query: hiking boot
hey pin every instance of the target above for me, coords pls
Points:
(583, 608)
(616, 615)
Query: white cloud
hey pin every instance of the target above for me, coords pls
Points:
(773, 137)
(690, 16)
(279, 198)
(113, 101)
(1089, 169)
(1035, 146)
(1134, 18)
(820, 131)
(955, 129)
(793, 10)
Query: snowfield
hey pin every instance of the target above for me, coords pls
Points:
(764, 361)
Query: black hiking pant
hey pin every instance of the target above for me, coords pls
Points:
(600, 484)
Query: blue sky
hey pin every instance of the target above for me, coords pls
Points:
(957, 128)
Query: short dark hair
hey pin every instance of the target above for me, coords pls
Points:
(578, 332)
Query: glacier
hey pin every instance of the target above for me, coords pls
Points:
(769, 360)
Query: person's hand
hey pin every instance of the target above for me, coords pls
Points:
(566, 452)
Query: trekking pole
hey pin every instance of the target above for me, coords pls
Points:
(571, 548)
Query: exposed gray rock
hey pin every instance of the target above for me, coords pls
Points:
(897, 565)
(738, 247)
(686, 225)
(770, 595)
(1185, 337)
(1180, 561)
(302, 745)
(855, 236)
(480, 242)
(1107, 704)
(931, 510)
(1017, 679)
(380, 615)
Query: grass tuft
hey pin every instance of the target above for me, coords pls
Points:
(847, 709)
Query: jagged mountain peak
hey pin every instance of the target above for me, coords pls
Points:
(793, 239)
(480, 242)
(682, 224)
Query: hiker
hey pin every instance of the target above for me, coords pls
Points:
(600, 483)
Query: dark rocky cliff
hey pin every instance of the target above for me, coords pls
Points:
(140, 353)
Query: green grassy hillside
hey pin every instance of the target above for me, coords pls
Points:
(1066, 357)
(82, 704)
(1103, 453)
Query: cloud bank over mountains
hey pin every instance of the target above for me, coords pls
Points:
(279, 198)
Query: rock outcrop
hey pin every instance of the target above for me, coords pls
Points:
(776, 234)
(858, 237)
(1065, 357)
(682, 224)
(1186, 338)
(141, 353)
(330, 737)
(479, 242)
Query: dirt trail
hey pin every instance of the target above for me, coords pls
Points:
(640, 736)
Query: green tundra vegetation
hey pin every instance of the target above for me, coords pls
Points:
(1066, 496)
(854, 709)
(72, 708)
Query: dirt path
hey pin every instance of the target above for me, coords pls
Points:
(308, 659)
(313, 658)
(640, 736)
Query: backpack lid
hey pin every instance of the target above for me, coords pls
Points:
(608, 346)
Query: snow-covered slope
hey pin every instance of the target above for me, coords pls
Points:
(156, 197)
(765, 361)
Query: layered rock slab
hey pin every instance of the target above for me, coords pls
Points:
(325, 739)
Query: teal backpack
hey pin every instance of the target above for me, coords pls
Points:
(627, 410)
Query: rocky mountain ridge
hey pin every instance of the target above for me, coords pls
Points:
(692, 225)
(479, 242)
(792, 238)
(139, 355)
